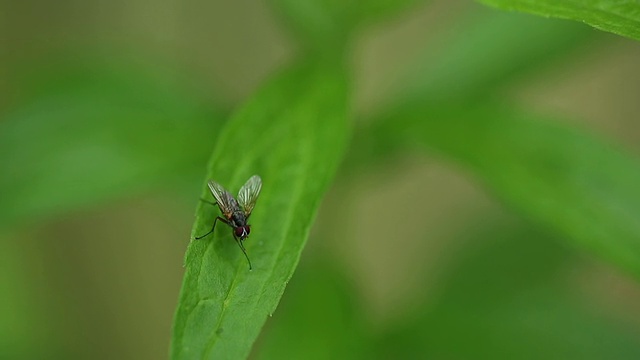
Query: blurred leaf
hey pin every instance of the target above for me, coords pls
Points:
(620, 17)
(553, 174)
(292, 134)
(90, 131)
(26, 314)
(510, 297)
(321, 310)
(327, 24)
(487, 50)
(373, 10)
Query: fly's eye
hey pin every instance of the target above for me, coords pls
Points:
(242, 232)
(239, 231)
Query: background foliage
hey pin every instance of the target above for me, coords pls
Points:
(477, 172)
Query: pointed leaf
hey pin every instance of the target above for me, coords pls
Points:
(292, 134)
(620, 17)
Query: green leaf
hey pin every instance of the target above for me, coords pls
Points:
(292, 134)
(320, 295)
(560, 177)
(487, 50)
(510, 292)
(27, 329)
(328, 24)
(93, 130)
(621, 17)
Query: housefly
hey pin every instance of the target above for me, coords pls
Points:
(236, 212)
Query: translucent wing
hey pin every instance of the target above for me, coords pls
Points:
(223, 198)
(249, 194)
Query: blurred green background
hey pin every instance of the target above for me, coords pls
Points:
(109, 112)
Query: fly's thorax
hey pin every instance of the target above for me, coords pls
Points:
(238, 219)
(233, 202)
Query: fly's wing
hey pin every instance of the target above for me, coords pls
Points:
(223, 198)
(249, 194)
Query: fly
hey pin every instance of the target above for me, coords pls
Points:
(236, 212)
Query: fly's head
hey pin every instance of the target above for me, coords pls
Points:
(242, 232)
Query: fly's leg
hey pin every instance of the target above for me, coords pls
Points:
(208, 202)
(239, 241)
(213, 227)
